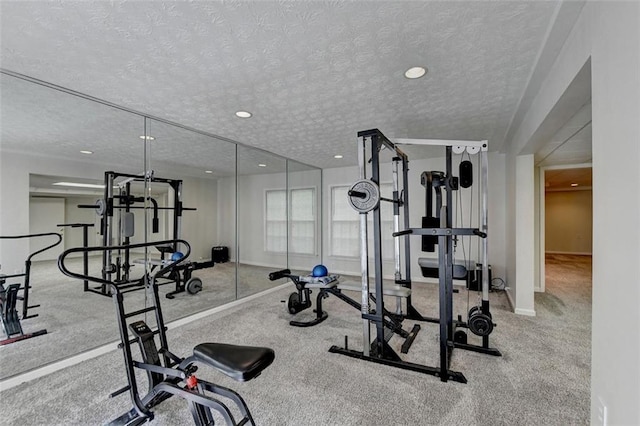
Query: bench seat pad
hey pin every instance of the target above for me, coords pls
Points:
(241, 363)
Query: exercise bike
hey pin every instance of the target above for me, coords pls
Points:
(169, 375)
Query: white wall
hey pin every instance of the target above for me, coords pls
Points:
(608, 35)
(14, 193)
(226, 217)
(615, 65)
(251, 217)
(44, 216)
(568, 222)
(525, 247)
(200, 227)
(73, 214)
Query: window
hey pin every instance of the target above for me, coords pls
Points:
(345, 224)
(302, 223)
(276, 221)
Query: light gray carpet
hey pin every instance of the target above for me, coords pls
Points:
(77, 321)
(542, 379)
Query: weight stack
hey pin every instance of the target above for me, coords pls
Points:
(220, 254)
(475, 281)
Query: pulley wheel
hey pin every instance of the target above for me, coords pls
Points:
(364, 196)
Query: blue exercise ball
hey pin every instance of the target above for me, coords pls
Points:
(319, 271)
(177, 256)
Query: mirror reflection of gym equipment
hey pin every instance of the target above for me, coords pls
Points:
(116, 211)
(10, 293)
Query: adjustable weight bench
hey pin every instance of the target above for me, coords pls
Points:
(301, 300)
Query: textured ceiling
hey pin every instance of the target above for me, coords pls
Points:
(571, 144)
(312, 73)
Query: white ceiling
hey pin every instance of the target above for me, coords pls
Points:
(564, 179)
(312, 73)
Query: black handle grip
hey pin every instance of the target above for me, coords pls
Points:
(279, 274)
(400, 233)
(357, 194)
(480, 234)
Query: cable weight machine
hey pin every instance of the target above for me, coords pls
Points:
(115, 211)
(365, 198)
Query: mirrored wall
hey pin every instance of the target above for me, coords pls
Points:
(249, 211)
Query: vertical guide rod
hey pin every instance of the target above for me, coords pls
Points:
(364, 250)
(396, 228)
(484, 223)
(377, 248)
(407, 242)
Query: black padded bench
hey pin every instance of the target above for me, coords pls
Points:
(241, 363)
(429, 268)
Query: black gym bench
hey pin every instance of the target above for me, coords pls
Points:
(329, 285)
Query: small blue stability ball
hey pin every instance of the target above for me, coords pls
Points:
(176, 256)
(319, 271)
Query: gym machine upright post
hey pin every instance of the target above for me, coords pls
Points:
(9, 295)
(366, 193)
(364, 197)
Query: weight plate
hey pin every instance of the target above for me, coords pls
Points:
(476, 309)
(101, 207)
(480, 325)
(364, 196)
(194, 285)
(460, 337)
(473, 311)
(292, 304)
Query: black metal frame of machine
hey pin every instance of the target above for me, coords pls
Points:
(365, 198)
(169, 375)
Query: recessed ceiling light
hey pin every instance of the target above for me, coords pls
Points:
(574, 184)
(262, 165)
(208, 171)
(415, 72)
(79, 185)
(337, 156)
(243, 114)
(148, 138)
(86, 152)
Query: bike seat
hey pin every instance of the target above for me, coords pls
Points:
(241, 363)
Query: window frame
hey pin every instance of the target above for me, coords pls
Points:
(289, 220)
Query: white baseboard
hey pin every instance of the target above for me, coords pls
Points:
(526, 312)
